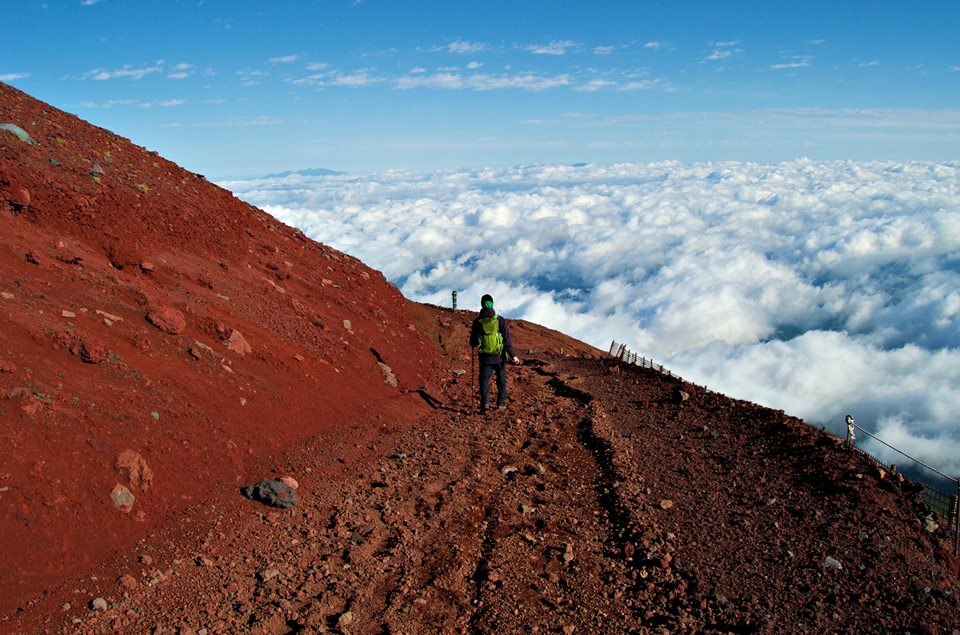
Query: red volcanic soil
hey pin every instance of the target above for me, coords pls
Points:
(163, 344)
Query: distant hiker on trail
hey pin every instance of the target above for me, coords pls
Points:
(489, 335)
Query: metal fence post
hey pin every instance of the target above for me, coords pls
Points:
(454, 301)
(956, 521)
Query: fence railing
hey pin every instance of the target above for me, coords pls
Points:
(945, 504)
(624, 354)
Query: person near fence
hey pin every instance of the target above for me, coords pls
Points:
(490, 335)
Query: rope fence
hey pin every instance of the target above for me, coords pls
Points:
(624, 354)
(944, 504)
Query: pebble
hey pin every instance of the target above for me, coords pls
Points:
(98, 604)
(831, 563)
(666, 504)
(268, 574)
(345, 619)
(567, 553)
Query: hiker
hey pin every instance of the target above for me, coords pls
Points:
(489, 335)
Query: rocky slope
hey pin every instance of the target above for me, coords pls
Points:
(163, 344)
(158, 334)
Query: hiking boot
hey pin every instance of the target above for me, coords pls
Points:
(483, 410)
(501, 406)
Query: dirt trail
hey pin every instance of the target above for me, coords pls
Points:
(599, 502)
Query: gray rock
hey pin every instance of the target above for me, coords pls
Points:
(18, 132)
(272, 493)
(122, 498)
(831, 563)
(98, 604)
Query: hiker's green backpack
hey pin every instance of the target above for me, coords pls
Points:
(491, 341)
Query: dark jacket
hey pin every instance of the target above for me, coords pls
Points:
(476, 331)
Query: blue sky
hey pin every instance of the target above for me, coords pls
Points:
(233, 89)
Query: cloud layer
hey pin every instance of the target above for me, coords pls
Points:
(818, 287)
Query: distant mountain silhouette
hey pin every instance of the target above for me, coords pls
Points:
(304, 172)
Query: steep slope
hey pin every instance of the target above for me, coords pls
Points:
(158, 334)
(161, 340)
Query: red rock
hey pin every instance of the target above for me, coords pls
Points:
(92, 351)
(238, 344)
(17, 197)
(139, 474)
(167, 319)
(128, 582)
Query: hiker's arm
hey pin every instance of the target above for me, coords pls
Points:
(507, 344)
(474, 335)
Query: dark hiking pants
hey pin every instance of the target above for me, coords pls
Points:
(485, 371)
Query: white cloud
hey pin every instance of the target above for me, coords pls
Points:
(652, 45)
(595, 85)
(641, 84)
(12, 77)
(135, 103)
(481, 82)
(356, 79)
(317, 66)
(797, 61)
(474, 66)
(818, 287)
(461, 47)
(181, 71)
(722, 51)
(251, 77)
(603, 50)
(285, 59)
(556, 47)
(232, 122)
(127, 72)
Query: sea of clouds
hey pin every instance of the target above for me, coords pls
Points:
(822, 288)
